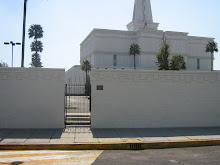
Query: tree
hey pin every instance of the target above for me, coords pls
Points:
(3, 64)
(86, 66)
(177, 63)
(88, 86)
(134, 50)
(212, 47)
(36, 32)
(163, 57)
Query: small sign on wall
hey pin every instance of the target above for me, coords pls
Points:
(99, 87)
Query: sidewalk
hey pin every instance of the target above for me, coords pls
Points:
(84, 135)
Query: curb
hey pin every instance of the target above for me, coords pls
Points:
(112, 146)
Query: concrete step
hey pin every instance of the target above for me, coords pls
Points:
(78, 118)
(78, 123)
(72, 121)
(73, 126)
(78, 115)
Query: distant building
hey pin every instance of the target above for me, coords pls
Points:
(75, 75)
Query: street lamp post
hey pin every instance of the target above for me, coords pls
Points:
(12, 44)
(23, 35)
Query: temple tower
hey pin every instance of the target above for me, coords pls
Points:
(142, 16)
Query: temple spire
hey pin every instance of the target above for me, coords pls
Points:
(142, 16)
(142, 11)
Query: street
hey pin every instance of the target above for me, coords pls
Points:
(184, 156)
(188, 156)
(48, 157)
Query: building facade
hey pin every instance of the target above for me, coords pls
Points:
(110, 48)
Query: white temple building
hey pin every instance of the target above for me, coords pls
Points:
(110, 48)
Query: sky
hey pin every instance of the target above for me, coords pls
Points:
(66, 23)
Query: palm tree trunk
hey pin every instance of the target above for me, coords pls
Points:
(86, 85)
(36, 64)
(36, 56)
(212, 58)
(86, 78)
(134, 62)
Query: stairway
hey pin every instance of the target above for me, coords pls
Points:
(78, 120)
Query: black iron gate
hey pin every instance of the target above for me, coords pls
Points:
(78, 105)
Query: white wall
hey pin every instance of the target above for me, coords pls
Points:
(123, 60)
(153, 99)
(31, 98)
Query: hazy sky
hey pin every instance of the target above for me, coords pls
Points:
(67, 22)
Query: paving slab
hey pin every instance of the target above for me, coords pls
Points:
(215, 130)
(128, 133)
(20, 134)
(106, 140)
(184, 131)
(86, 140)
(167, 132)
(148, 132)
(9, 140)
(197, 137)
(62, 141)
(84, 135)
(57, 135)
(83, 129)
(37, 140)
(42, 134)
(154, 139)
(203, 131)
(3, 134)
(212, 136)
(106, 133)
(192, 131)
(177, 138)
(63, 135)
(17, 136)
(140, 139)
(68, 130)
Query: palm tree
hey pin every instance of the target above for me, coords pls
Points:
(212, 47)
(86, 66)
(36, 32)
(134, 50)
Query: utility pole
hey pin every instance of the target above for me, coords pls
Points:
(23, 36)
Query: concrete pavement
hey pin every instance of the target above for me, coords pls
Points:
(85, 135)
